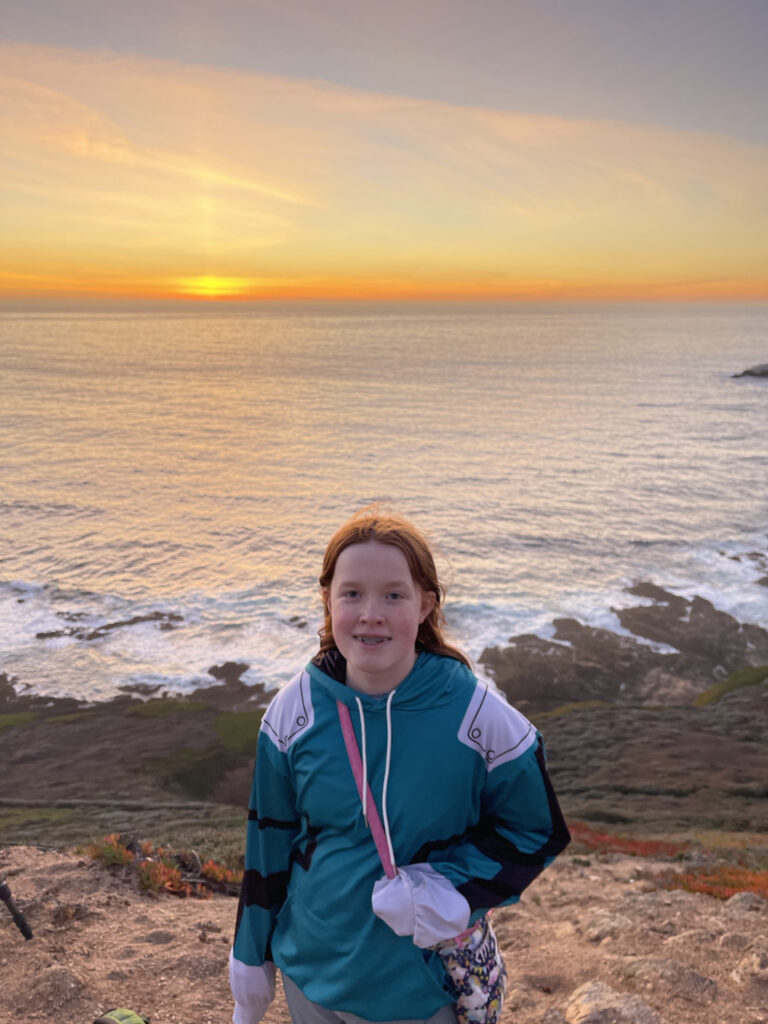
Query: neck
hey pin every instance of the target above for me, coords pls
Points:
(377, 684)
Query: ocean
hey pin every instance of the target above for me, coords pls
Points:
(169, 480)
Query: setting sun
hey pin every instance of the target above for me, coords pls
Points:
(135, 175)
(211, 287)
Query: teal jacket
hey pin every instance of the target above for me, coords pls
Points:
(468, 794)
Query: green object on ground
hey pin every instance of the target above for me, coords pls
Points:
(121, 1016)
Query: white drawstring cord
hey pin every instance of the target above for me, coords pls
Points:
(365, 760)
(386, 779)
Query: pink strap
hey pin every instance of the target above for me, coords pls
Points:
(356, 763)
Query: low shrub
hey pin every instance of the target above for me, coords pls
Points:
(111, 852)
(219, 873)
(162, 870)
(606, 842)
(155, 875)
(721, 881)
(752, 676)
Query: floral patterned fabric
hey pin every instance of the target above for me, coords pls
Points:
(476, 970)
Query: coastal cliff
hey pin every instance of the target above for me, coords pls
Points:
(655, 734)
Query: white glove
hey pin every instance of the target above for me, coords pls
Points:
(253, 989)
(421, 902)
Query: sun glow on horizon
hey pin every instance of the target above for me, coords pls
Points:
(211, 287)
(122, 176)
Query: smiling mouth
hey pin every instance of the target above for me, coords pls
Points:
(370, 641)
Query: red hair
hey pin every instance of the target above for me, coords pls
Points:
(369, 524)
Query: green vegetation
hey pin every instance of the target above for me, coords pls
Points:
(75, 716)
(239, 730)
(13, 718)
(110, 852)
(735, 681)
(10, 817)
(192, 770)
(579, 705)
(160, 707)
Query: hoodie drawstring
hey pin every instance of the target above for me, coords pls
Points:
(386, 777)
(387, 764)
(365, 760)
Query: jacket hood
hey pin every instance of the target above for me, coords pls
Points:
(431, 682)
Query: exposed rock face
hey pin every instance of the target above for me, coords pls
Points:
(656, 974)
(761, 370)
(754, 965)
(630, 734)
(596, 1003)
(696, 628)
(582, 663)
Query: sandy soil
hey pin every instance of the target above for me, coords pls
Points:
(660, 956)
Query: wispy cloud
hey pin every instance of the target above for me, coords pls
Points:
(163, 172)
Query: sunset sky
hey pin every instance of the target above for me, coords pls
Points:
(531, 149)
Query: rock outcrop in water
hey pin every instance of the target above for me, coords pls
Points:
(663, 738)
(696, 646)
(761, 370)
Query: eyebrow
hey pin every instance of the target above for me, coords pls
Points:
(386, 586)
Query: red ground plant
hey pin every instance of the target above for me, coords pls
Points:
(721, 881)
(606, 842)
(158, 869)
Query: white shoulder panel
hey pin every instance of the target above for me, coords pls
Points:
(494, 729)
(290, 714)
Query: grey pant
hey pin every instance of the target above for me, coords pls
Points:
(305, 1012)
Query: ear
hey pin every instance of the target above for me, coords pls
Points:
(325, 593)
(428, 599)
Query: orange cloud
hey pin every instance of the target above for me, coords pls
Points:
(123, 175)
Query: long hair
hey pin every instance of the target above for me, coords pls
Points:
(371, 523)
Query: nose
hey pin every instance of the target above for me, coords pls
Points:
(371, 610)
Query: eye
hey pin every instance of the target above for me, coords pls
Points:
(350, 593)
(394, 596)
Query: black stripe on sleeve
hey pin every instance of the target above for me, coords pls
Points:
(560, 837)
(265, 891)
(518, 869)
(437, 846)
(304, 857)
(253, 815)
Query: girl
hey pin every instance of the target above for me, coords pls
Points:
(449, 792)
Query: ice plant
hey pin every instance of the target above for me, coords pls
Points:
(607, 842)
(218, 873)
(110, 851)
(721, 881)
(159, 869)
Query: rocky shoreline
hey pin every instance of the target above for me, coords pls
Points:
(663, 738)
(660, 728)
(650, 737)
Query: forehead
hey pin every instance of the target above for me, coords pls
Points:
(372, 560)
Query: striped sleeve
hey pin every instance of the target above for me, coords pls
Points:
(521, 828)
(273, 826)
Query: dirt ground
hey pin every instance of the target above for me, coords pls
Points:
(669, 957)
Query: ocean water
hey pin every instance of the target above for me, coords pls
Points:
(193, 466)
